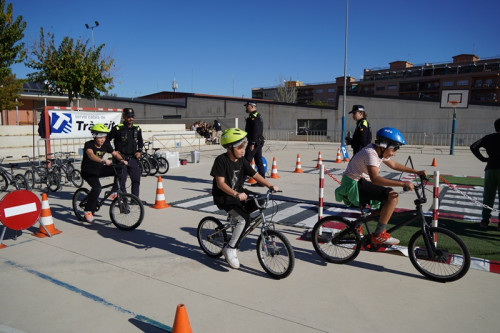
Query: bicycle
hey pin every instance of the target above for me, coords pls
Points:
(64, 167)
(9, 178)
(126, 210)
(437, 253)
(274, 251)
(158, 162)
(42, 175)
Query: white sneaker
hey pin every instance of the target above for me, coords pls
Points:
(231, 256)
(89, 217)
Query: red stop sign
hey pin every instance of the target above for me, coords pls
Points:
(20, 209)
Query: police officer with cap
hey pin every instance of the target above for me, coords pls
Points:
(362, 134)
(128, 142)
(254, 127)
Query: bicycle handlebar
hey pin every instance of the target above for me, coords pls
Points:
(261, 196)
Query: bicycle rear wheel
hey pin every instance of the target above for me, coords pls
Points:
(154, 166)
(53, 181)
(78, 202)
(30, 177)
(212, 236)
(145, 167)
(20, 182)
(126, 211)
(163, 165)
(4, 184)
(275, 254)
(451, 260)
(76, 178)
(336, 240)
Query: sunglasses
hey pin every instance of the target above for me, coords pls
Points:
(395, 148)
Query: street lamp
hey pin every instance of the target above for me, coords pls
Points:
(92, 28)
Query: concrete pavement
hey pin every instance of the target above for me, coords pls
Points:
(96, 278)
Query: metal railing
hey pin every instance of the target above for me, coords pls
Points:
(182, 143)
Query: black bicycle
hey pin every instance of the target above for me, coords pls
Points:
(42, 176)
(63, 165)
(437, 253)
(274, 251)
(9, 178)
(126, 210)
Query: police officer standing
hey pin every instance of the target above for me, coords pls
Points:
(362, 134)
(255, 128)
(128, 142)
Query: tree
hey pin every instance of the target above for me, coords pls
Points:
(286, 92)
(11, 52)
(72, 68)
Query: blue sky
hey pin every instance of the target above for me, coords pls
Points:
(224, 47)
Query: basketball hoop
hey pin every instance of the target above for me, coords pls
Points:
(453, 103)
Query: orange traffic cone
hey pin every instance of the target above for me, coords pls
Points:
(320, 161)
(298, 166)
(250, 179)
(339, 159)
(434, 163)
(181, 321)
(160, 196)
(46, 222)
(274, 170)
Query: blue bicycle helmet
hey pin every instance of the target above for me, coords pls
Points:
(389, 136)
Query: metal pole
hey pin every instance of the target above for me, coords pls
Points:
(345, 73)
(453, 127)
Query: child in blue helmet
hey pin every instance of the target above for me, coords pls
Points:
(361, 182)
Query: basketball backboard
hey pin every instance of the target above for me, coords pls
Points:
(454, 98)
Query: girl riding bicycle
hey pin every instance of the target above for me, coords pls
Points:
(94, 166)
(361, 183)
(230, 171)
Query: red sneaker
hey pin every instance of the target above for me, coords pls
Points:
(384, 238)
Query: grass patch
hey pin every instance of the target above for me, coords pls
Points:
(469, 181)
(484, 244)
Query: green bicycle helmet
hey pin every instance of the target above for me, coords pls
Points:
(99, 130)
(233, 137)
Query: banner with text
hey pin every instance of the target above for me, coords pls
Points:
(77, 124)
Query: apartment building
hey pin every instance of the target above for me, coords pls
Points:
(402, 79)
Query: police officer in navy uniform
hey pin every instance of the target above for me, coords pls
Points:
(362, 134)
(255, 128)
(128, 142)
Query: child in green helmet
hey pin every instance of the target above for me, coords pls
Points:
(94, 166)
(230, 171)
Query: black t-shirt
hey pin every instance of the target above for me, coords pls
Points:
(90, 167)
(491, 143)
(234, 174)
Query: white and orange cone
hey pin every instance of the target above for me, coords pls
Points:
(298, 166)
(339, 159)
(274, 170)
(46, 221)
(160, 196)
(250, 180)
(320, 161)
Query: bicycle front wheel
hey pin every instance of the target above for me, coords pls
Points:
(275, 254)
(76, 178)
(145, 167)
(212, 236)
(449, 261)
(163, 165)
(53, 181)
(126, 211)
(154, 166)
(79, 200)
(336, 240)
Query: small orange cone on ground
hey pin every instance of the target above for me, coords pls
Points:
(250, 179)
(298, 166)
(181, 321)
(274, 170)
(46, 220)
(160, 196)
(339, 159)
(434, 163)
(320, 161)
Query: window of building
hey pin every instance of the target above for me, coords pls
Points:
(380, 88)
(448, 83)
(392, 87)
(312, 126)
(319, 91)
(463, 83)
(331, 90)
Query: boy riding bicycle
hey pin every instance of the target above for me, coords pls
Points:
(94, 166)
(230, 171)
(361, 183)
